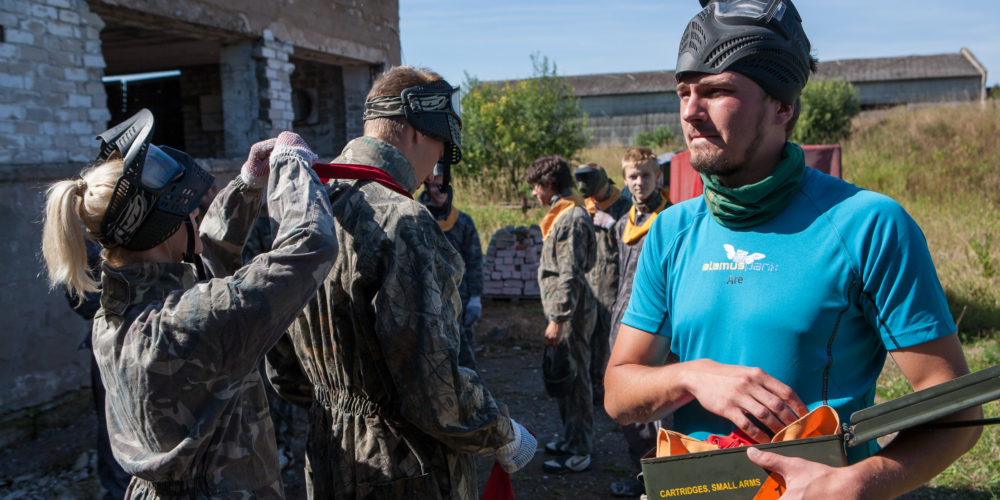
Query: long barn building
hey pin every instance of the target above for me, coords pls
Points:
(621, 105)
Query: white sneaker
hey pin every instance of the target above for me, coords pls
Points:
(572, 463)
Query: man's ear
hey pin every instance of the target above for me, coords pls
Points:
(784, 113)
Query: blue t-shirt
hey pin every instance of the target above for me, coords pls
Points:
(814, 296)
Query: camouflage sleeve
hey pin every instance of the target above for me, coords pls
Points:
(418, 331)
(227, 224)
(472, 254)
(259, 240)
(286, 375)
(227, 325)
(572, 247)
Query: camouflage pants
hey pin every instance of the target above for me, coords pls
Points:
(600, 348)
(577, 409)
(641, 438)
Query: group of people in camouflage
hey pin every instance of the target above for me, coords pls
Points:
(589, 255)
(353, 297)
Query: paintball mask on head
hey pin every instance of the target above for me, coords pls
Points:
(434, 110)
(760, 39)
(158, 189)
(590, 180)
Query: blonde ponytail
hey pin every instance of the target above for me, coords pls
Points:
(69, 204)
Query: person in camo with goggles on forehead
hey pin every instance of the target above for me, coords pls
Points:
(782, 288)
(374, 356)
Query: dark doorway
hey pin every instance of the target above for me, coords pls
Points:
(161, 96)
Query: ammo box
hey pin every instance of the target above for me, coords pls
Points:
(729, 474)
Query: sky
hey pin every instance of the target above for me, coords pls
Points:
(494, 40)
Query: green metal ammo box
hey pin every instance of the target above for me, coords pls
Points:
(730, 475)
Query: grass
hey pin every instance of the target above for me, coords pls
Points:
(943, 166)
(978, 469)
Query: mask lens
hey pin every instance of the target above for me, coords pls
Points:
(744, 8)
(159, 169)
(456, 103)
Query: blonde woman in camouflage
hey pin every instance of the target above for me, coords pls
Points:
(177, 342)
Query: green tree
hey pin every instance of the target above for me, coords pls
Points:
(656, 138)
(827, 108)
(507, 126)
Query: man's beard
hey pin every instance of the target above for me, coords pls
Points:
(717, 163)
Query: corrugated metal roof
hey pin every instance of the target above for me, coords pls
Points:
(900, 68)
(954, 65)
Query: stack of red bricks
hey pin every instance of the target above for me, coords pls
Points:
(510, 268)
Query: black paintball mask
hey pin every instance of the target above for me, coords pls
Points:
(590, 180)
(760, 39)
(159, 188)
(434, 110)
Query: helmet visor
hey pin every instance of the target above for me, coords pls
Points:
(159, 169)
(764, 10)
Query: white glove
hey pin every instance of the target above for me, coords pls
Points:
(291, 143)
(256, 169)
(604, 219)
(516, 454)
(473, 311)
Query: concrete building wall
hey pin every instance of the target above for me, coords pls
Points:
(201, 107)
(52, 105)
(323, 86)
(918, 91)
(361, 31)
(617, 119)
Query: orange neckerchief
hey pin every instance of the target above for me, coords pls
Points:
(593, 205)
(449, 222)
(633, 232)
(561, 207)
(823, 421)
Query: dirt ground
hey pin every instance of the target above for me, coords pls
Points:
(60, 463)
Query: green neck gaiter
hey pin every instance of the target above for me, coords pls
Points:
(754, 204)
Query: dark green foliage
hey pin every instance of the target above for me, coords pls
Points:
(656, 138)
(827, 108)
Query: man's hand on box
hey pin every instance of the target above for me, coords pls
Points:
(807, 480)
(733, 392)
(553, 333)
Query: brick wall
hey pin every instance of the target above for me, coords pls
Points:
(202, 84)
(327, 137)
(52, 101)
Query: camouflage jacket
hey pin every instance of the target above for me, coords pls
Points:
(628, 256)
(374, 356)
(464, 237)
(568, 254)
(260, 239)
(603, 278)
(186, 409)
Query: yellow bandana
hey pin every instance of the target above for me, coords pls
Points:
(561, 207)
(633, 232)
(593, 205)
(449, 222)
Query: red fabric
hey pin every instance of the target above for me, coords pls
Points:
(327, 171)
(685, 183)
(498, 485)
(735, 440)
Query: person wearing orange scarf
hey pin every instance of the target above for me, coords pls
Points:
(568, 253)
(642, 174)
(606, 204)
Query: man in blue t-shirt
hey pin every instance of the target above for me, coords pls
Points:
(782, 288)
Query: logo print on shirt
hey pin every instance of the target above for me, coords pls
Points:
(742, 260)
(741, 256)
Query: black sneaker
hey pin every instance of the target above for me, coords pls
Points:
(556, 448)
(629, 488)
(571, 463)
